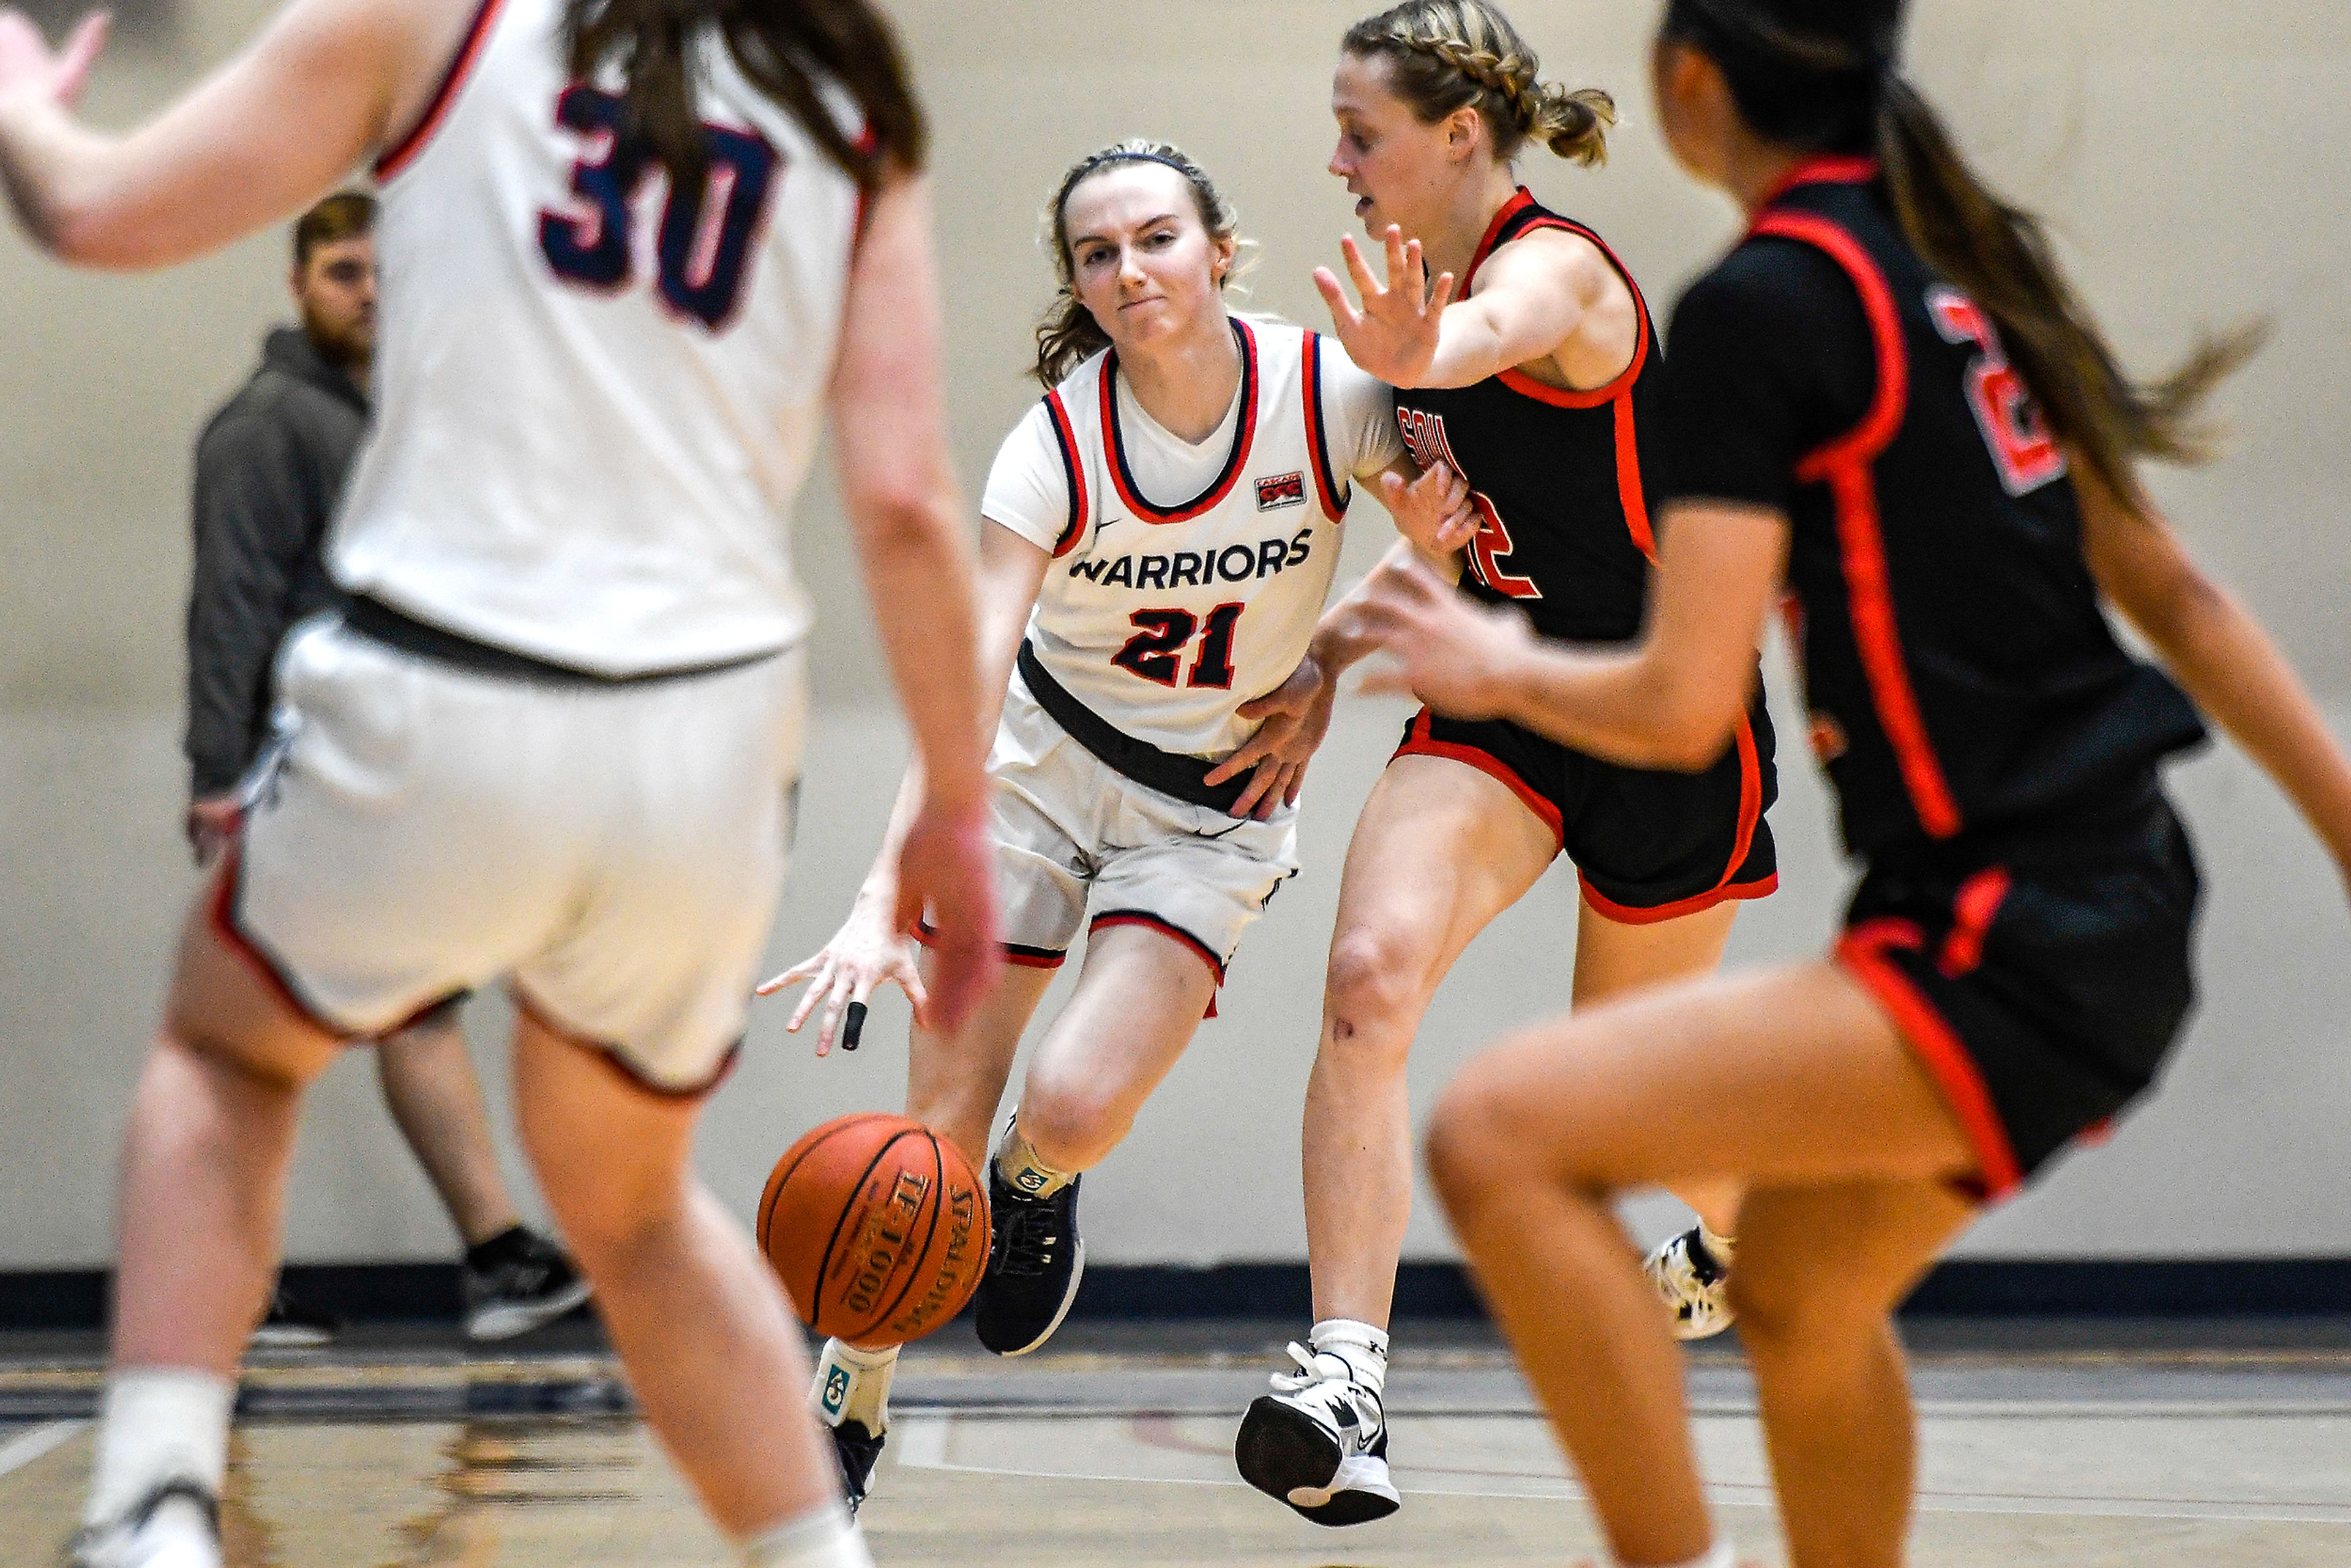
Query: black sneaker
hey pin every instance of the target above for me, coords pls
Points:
(1035, 1261)
(527, 1282)
(291, 1325)
(858, 1450)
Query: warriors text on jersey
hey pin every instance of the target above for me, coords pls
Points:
(599, 394)
(1188, 580)
(1558, 475)
(1959, 670)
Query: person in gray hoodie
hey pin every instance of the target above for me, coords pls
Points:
(270, 467)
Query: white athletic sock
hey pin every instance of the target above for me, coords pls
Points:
(824, 1536)
(158, 1424)
(853, 1384)
(1363, 1348)
(1717, 1555)
(1721, 1247)
(1016, 1162)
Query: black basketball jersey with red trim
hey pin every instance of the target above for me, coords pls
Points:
(1959, 668)
(1557, 475)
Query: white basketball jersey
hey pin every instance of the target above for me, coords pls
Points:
(595, 398)
(1164, 613)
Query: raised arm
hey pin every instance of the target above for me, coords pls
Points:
(2220, 654)
(1671, 700)
(323, 85)
(890, 438)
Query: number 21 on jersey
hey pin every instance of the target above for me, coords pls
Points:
(2023, 451)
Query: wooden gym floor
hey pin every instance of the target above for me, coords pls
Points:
(2107, 1446)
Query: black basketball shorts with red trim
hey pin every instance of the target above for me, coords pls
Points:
(2040, 977)
(1648, 846)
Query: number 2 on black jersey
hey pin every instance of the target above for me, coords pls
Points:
(2023, 451)
(706, 235)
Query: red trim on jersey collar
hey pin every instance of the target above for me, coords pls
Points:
(1065, 435)
(1243, 439)
(1847, 466)
(1335, 496)
(402, 153)
(1831, 170)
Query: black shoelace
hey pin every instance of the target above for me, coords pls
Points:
(1033, 1235)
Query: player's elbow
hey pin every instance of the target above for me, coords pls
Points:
(83, 232)
(1688, 732)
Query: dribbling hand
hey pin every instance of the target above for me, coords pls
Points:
(1394, 336)
(862, 955)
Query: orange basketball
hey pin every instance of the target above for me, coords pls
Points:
(877, 1229)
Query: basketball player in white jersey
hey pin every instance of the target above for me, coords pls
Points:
(624, 282)
(1162, 532)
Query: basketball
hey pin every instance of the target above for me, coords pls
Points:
(877, 1227)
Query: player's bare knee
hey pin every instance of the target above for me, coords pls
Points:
(1374, 990)
(1072, 1119)
(1472, 1146)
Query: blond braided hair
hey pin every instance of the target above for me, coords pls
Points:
(1447, 55)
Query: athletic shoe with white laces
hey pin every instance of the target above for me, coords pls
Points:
(858, 1451)
(1695, 1283)
(177, 1525)
(1035, 1260)
(1318, 1442)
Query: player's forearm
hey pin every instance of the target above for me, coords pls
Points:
(1628, 706)
(919, 571)
(1341, 640)
(2237, 674)
(1469, 347)
(55, 170)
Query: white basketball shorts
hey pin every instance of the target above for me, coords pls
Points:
(615, 852)
(1074, 836)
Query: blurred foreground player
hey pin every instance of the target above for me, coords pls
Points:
(269, 468)
(633, 254)
(1888, 402)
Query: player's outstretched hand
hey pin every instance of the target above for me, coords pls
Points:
(31, 71)
(948, 867)
(1458, 656)
(1435, 511)
(1394, 336)
(1291, 720)
(862, 955)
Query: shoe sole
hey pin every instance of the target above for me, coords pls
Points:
(1295, 1462)
(1360, 1493)
(1068, 1300)
(489, 1324)
(290, 1339)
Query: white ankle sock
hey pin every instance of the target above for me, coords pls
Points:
(1720, 1246)
(1017, 1161)
(1363, 1348)
(853, 1384)
(824, 1536)
(1717, 1555)
(158, 1424)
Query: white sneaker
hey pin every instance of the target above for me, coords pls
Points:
(177, 1525)
(1693, 1283)
(1318, 1442)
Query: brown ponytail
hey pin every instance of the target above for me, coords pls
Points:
(1069, 335)
(1447, 55)
(2000, 256)
(789, 49)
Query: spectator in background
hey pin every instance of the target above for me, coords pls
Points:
(269, 468)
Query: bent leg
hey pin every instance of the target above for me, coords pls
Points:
(1614, 959)
(1440, 850)
(428, 1080)
(1790, 1078)
(1139, 1001)
(955, 1082)
(711, 1347)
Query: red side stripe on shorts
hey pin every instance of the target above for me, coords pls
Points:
(436, 108)
(1657, 914)
(1421, 743)
(1973, 910)
(1861, 951)
(1847, 466)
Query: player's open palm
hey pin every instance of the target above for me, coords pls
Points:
(1394, 336)
(1291, 720)
(865, 954)
(31, 71)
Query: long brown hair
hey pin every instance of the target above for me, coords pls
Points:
(789, 49)
(1448, 55)
(1069, 335)
(1820, 76)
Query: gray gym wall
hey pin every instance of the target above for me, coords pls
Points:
(2194, 159)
